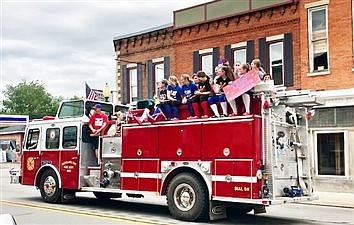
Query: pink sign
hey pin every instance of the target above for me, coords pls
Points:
(241, 85)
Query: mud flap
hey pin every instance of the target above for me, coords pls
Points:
(259, 209)
(217, 210)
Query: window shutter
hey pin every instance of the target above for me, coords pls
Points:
(125, 85)
(250, 51)
(263, 53)
(228, 56)
(139, 72)
(150, 79)
(166, 67)
(288, 60)
(196, 63)
(216, 57)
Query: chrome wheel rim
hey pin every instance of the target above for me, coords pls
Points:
(49, 186)
(184, 197)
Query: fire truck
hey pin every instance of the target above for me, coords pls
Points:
(206, 168)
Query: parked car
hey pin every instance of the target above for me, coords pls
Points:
(10, 147)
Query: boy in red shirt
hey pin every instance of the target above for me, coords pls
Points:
(98, 121)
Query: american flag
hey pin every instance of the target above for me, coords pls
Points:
(90, 94)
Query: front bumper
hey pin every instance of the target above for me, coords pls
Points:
(15, 176)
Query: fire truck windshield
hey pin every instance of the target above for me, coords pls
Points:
(71, 109)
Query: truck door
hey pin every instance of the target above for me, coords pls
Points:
(31, 161)
(69, 156)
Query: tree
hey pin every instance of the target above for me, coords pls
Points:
(29, 99)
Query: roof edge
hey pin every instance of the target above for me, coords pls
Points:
(164, 26)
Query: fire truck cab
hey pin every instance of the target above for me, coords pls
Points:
(205, 167)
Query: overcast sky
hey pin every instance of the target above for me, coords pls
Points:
(65, 43)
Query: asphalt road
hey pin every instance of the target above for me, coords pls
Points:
(25, 203)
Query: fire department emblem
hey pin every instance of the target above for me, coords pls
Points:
(30, 163)
(52, 135)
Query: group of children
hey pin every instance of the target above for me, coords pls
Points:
(200, 92)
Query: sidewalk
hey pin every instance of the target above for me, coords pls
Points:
(334, 199)
(325, 198)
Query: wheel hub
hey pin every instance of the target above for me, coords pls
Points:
(184, 197)
(49, 186)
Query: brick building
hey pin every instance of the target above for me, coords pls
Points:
(303, 44)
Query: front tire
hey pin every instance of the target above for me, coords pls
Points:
(49, 187)
(187, 197)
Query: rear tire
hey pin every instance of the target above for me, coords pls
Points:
(104, 196)
(187, 197)
(49, 187)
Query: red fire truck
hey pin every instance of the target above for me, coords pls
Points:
(205, 167)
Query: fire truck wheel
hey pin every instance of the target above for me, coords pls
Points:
(106, 196)
(49, 187)
(187, 197)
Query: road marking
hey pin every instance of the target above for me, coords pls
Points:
(85, 213)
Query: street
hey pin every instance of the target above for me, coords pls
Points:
(26, 205)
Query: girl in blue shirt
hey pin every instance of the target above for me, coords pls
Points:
(174, 95)
(188, 96)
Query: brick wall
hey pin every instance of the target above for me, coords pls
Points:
(180, 44)
(237, 29)
(340, 43)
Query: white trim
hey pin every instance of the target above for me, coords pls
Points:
(141, 175)
(346, 146)
(241, 160)
(234, 179)
(242, 200)
(239, 45)
(142, 159)
(322, 73)
(275, 37)
(316, 4)
(132, 65)
(158, 60)
(205, 51)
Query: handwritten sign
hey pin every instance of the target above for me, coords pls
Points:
(241, 85)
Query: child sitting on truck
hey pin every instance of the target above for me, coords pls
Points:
(160, 102)
(174, 95)
(188, 90)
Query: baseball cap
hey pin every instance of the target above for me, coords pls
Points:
(97, 106)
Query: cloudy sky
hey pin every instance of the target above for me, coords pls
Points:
(65, 43)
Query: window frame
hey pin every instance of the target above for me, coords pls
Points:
(130, 95)
(46, 138)
(63, 139)
(311, 54)
(346, 160)
(233, 52)
(201, 55)
(269, 43)
(154, 75)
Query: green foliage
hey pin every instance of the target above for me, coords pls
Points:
(30, 99)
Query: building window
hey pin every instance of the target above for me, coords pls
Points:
(133, 82)
(70, 137)
(240, 55)
(318, 39)
(207, 64)
(159, 74)
(52, 138)
(276, 59)
(330, 154)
